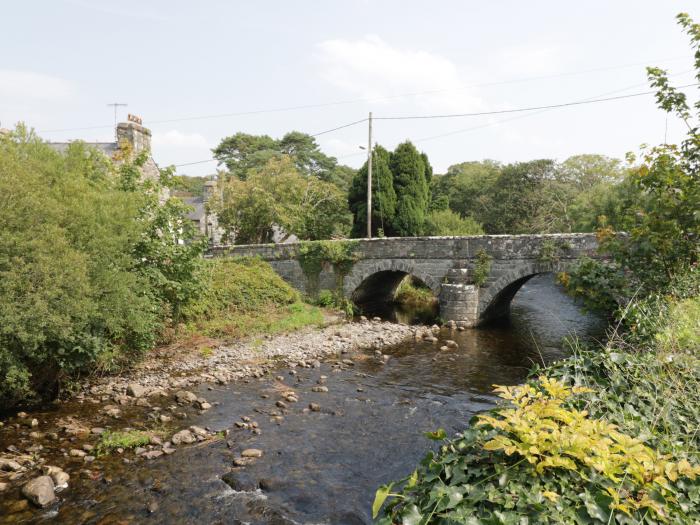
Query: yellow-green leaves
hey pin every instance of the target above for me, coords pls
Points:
(550, 435)
(379, 498)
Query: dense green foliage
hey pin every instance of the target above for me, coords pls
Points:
(383, 196)
(652, 401)
(447, 222)
(277, 197)
(243, 296)
(401, 195)
(535, 197)
(661, 221)
(413, 292)
(91, 266)
(242, 153)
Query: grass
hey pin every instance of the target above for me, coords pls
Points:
(110, 441)
(243, 297)
(413, 293)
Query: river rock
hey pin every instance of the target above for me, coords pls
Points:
(451, 344)
(60, 479)
(198, 431)
(319, 389)
(135, 390)
(152, 454)
(314, 407)
(252, 453)
(184, 437)
(40, 491)
(4, 487)
(185, 397)
(9, 465)
(76, 453)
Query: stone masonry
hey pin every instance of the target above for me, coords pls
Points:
(445, 264)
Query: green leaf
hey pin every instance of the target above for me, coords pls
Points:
(411, 516)
(379, 498)
(438, 435)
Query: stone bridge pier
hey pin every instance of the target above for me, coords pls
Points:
(475, 278)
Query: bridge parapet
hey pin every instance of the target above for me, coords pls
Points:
(446, 264)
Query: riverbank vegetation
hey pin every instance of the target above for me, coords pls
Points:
(242, 297)
(412, 292)
(97, 268)
(609, 435)
(91, 267)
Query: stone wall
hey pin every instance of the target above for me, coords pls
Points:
(445, 264)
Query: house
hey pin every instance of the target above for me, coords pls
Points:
(130, 134)
(204, 220)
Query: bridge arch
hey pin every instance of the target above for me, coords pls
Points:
(495, 298)
(384, 276)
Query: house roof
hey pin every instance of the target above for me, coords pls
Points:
(108, 148)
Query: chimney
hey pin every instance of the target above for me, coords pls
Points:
(134, 133)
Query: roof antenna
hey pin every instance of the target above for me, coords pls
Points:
(116, 105)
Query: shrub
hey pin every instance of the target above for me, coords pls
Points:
(447, 222)
(90, 264)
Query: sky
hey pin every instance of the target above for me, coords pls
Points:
(200, 71)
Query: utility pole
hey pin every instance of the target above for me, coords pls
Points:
(116, 105)
(369, 180)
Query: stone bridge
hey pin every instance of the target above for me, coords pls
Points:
(447, 265)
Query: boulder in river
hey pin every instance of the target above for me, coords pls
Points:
(135, 390)
(185, 397)
(40, 491)
(184, 437)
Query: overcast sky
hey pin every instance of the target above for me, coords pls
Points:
(62, 61)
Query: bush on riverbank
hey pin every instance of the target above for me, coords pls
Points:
(91, 269)
(245, 296)
(411, 292)
(625, 449)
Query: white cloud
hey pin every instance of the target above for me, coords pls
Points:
(373, 69)
(25, 85)
(530, 59)
(181, 140)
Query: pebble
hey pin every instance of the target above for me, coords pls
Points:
(319, 389)
(76, 453)
(314, 407)
(252, 453)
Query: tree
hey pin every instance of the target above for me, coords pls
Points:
(447, 222)
(519, 201)
(383, 196)
(412, 190)
(243, 152)
(276, 197)
(466, 187)
(657, 257)
(91, 263)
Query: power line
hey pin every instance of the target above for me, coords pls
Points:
(531, 108)
(342, 126)
(373, 99)
(489, 124)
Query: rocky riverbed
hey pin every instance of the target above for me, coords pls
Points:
(144, 414)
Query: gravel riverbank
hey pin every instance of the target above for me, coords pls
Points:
(42, 450)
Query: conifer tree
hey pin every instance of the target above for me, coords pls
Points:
(383, 196)
(412, 190)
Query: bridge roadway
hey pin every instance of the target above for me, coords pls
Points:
(446, 264)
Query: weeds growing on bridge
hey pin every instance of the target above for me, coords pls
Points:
(482, 267)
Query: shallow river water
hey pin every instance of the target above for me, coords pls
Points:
(323, 467)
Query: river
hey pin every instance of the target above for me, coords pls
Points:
(324, 466)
